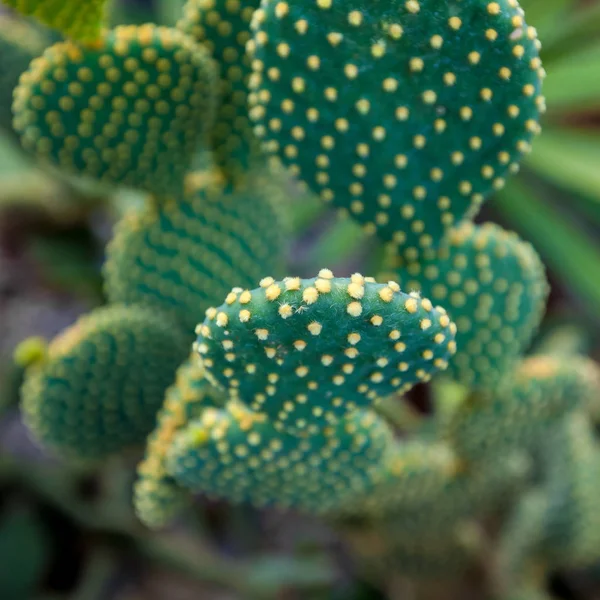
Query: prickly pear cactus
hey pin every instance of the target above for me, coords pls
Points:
(78, 19)
(237, 454)
(157, 497)
(494, 287)
(307, 351)
(98, 389)
(223, 27)
(131, 110)
(407, 114)
(183, 254)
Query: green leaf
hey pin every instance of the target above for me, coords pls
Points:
(574, 81)
(547, 17)
(567, 250)
(24, 554)
(579, 28)
(570, 159)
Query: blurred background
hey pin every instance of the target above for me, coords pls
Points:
(70, 533)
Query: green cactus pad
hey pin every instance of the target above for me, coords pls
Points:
(132, 110)
(237, 454)
(494, 287)
(77, 19)
(407, 114)
(157, 497)
(307, 351)
(223, 27)
(103, 382)
(572, 536)
(20, 43)
(184, 255)
(534, 400)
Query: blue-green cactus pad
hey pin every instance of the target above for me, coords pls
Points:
(157, 497)
(494, 286)
(408, 114)
(237, 455)
(131, 110)
(103, 382)
(307, 351)
(182, 255)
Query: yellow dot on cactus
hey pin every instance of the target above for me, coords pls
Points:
(30, 351)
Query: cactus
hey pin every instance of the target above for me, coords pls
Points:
(181, 255)
(308, 351)
(224, 28)
(131, 110)
(102, 382)
(237, 454)
(494, 287)
(157, 497)
(406, 114)
(78, 19)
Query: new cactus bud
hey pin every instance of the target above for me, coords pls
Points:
(494, 286)
(307, 351)
(131, 110)
(157, 497)
(77, 19)
(238, 455)
(407, 114)
(223, 27)
(182, 255)
(102, 382)
(534, 399)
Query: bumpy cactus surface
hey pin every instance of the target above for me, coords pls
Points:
(406, 114)
(494, 287)
(183, 254)
(223, 27)
(79, 19)
(102, 382)
(130, 110)
(307, 351)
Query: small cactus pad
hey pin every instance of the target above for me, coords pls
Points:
(131, 110)
(103, 381)
(77, 19)
(535, 398)
(307, 351)
(20, 43)
(157, 497)
(405, 113)
(184, 255)
(494, 287)
(223, 27)
(237, 454)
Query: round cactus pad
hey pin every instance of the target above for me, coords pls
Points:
(494, 287)
(77, 19)
(132, 110)
(184, 255)
(103, 381)
(238, 455)
(307, 351)
(223, 27)
(157, 496)
(405, 113)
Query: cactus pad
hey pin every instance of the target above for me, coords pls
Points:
(77, 19)
(494, 287)
(535, 398)
(157, 497)
(405, 113)
(103, 381)
(237, 454)
(132, 110)
(307, 351)
(184, 255)
(223, 27)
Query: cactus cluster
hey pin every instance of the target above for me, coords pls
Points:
(405, 115)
